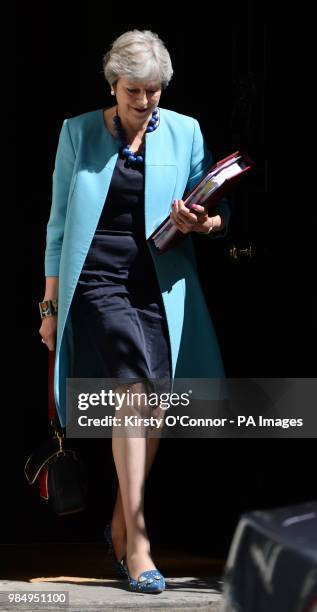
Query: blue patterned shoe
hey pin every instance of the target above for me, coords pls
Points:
(150, 581)
(118, 566)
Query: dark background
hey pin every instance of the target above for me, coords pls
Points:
(227, 76)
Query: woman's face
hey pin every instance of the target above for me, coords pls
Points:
(136, 100)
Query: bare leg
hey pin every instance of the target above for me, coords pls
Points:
(132, 465)
(118, 525)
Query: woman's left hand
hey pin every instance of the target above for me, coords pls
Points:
(194, 220)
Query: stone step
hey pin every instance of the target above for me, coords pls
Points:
(193, 582)
(182, 593)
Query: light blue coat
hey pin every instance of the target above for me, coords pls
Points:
(176, 158)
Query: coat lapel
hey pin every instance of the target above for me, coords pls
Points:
(160, 179)
(96, 171)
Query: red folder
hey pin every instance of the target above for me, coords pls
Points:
(166, 236)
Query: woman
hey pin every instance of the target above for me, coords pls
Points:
(117, 171)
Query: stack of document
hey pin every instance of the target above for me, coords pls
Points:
(213, 186)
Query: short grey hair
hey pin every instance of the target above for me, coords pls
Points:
(140, 56)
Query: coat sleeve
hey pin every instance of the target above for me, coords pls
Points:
(62, 176)
(201, 160)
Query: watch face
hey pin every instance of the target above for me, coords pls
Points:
(45, 309)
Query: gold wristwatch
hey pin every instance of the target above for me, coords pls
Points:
(48, 308)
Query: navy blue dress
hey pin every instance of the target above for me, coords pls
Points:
(117, 299)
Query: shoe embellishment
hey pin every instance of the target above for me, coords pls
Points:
(146, 582)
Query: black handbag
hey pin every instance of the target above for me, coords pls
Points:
(60, 474)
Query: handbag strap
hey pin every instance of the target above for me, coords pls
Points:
(52, 412)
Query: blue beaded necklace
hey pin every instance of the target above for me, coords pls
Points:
(131, 160)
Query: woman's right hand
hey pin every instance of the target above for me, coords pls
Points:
(48, 331)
